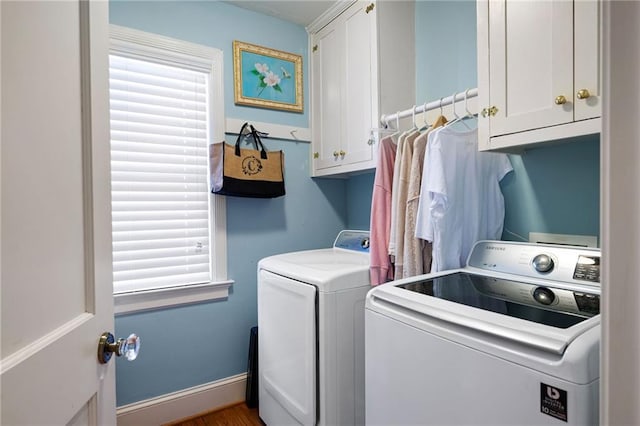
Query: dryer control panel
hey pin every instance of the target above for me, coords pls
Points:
(353, 240)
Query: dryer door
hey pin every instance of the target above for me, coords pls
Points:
(286, 350)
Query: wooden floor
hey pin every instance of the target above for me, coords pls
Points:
(234, 415)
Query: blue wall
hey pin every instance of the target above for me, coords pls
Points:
(552, 189)
(195, 344)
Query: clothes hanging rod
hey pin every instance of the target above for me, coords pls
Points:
(471, 93)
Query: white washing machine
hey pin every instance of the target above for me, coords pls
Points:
(511, 339)
(311, 334)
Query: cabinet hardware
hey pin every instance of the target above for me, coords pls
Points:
(583, 94)
(560, 100)
(370, 8)
(335, 154)
(493, 111)
(316, 155)
(370, 141)
(484, 112)
(315, 47)
(342, 153)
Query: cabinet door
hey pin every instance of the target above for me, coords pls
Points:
(327, 61)
(587, 60)
(360, 76)
(530, 64)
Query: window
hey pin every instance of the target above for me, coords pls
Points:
(169, 231)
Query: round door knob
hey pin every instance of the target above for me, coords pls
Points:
(583, 94)
(543, 263)
(544, 296)
(107, 346)
(336, 153)
(561, 100)
(342, 153)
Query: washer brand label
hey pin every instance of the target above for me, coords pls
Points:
(495, 248)
(553, 401)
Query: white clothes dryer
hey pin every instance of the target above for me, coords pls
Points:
(311, 334)
(512, 338)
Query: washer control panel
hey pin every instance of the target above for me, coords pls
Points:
(353, 240)
(567, 264)
(587, 269)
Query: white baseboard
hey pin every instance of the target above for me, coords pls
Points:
(184, 403)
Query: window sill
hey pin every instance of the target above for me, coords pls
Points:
(127, 303)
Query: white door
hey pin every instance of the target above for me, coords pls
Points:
(530, 64)
(328, 52)
(588, 49)
(287, 351)
(56, 219)
(361, 76)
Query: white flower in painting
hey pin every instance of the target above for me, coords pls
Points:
(262, 68)
(271, 79)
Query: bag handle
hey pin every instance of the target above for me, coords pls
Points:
(256, 140)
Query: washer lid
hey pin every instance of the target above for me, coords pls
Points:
(328, 269)
(498, 309)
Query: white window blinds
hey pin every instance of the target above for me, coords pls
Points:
(159, 153)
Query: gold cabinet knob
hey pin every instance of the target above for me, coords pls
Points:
(485, 112)
(493, 110)
(336, 153)
(561, 100)
(316, 155)
(342, 153)
(583, 94)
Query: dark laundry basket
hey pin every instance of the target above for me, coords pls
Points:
(251, 395)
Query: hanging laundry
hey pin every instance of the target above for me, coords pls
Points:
(402, 191)
(460, 197)
(417, 252)
(394, 195)
(381, 269)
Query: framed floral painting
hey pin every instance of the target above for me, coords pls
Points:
(267, 78)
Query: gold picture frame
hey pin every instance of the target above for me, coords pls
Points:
(267, 78)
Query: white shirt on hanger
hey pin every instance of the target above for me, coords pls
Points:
(460, 197)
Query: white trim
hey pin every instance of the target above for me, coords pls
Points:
(329, 15)
(136, 44)
(38, 345)
(185, 403)
(275, 131)
(514, 142)
(126, 303)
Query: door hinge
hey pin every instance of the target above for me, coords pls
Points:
(370, 8)
(315, 47)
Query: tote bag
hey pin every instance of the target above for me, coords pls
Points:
(242, 172)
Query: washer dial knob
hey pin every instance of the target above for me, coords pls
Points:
(543, 263)
(544, 295)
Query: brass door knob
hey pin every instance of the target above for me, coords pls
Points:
(583, 94)
(316, 155)
(336, 153)
(561, 100)
(342, 153)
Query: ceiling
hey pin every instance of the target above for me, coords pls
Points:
(301, 12)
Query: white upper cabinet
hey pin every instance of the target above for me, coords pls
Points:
(349, 91)
(538, 71)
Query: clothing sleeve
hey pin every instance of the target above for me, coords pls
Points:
(381, 213)
(503, 166)
(433, 201)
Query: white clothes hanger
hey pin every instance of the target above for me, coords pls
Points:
(413, 118)
(457, 117)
